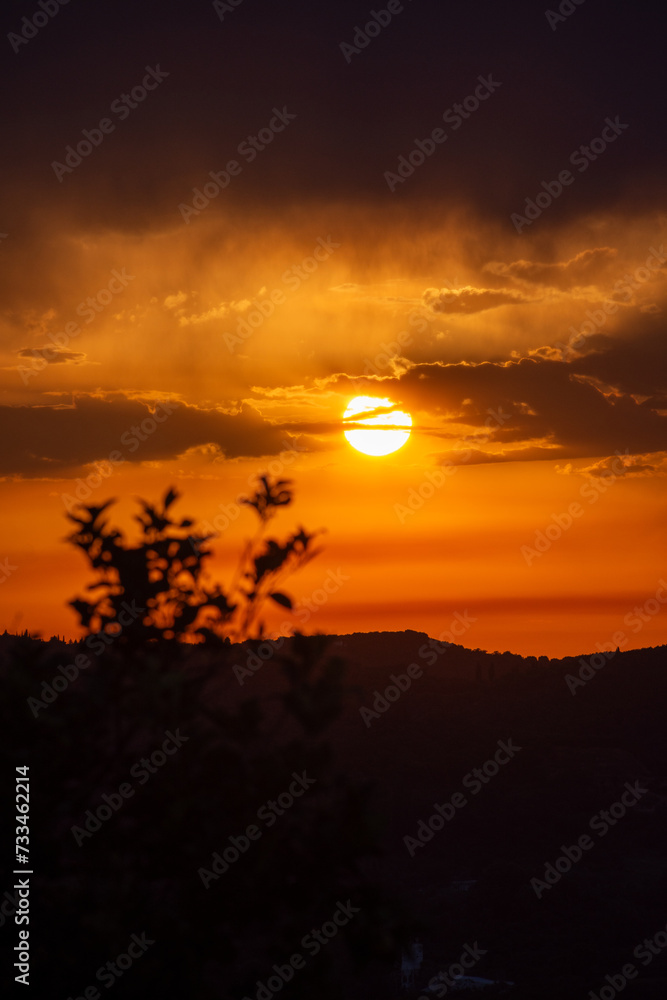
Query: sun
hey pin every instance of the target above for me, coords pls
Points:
(387, 431)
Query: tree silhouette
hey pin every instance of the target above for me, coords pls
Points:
(162, 574)
(168, 668)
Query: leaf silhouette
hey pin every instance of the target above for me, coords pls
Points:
(281, 599)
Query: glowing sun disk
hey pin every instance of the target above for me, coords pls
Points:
(379, 434)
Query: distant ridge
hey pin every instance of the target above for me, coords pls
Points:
(386, 651)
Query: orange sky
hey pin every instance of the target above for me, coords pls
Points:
(453, 317)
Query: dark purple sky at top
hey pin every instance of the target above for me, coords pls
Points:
(353, 119)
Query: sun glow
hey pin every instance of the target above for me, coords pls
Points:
(382, 432)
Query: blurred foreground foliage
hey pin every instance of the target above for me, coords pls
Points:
(161, 642)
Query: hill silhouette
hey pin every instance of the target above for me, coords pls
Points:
(221, 792)
(578, 752)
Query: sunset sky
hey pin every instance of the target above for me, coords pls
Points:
(462, 212)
